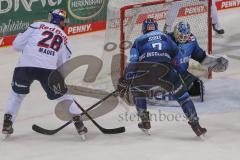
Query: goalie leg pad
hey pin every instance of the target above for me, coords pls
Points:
(197, 89)
(189, 79)
(195, 85)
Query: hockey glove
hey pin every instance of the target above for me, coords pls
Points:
(123, 87)
(216, 63)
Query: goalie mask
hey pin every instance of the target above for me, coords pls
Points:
(58, 17)
(149, 25)
(182, 32)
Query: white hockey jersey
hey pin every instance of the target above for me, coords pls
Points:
(43, 45)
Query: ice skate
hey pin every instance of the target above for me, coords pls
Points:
(7, 129)
(198, 130)
(218, 31)
(145, 125)
(81, 129)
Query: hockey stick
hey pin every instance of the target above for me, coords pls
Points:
(103, 130)
(41, 130)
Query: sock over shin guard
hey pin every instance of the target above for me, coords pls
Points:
(73, 109)
(13, 104)
(188, 107)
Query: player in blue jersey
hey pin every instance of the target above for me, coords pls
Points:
(150, 65)
(190, 49)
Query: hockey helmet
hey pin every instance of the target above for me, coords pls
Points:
(182, 32)
(149, 25)
(57, 15)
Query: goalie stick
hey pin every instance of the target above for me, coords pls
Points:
(41, 130)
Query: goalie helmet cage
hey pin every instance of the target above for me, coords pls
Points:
(196, 12)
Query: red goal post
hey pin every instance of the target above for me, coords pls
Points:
(148, 9)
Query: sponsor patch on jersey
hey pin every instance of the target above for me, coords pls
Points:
(183, 60)
(153, 54)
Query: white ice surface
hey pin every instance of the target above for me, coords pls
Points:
(170, 140)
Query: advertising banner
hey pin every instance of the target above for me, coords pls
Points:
(17, 15)
(226, 4)
(84, 15)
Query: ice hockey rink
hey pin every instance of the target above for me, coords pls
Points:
(170, 139)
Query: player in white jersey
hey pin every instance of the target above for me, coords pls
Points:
(44, 47)
(173, 12)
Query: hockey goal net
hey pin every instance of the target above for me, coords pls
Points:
(124, 24)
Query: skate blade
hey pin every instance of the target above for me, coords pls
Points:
(203, 137)
(146, 131)
(83, 137)
(218, 35)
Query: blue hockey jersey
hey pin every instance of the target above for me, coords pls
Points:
(154, 46)
(188, 50)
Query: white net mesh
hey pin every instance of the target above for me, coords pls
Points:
(195, 12)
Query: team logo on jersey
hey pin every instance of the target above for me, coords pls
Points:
(85, 9)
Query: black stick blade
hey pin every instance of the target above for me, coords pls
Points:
(113, 131)
(41, 130)
(44, 131)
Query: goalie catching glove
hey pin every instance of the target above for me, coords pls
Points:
(216, 63)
